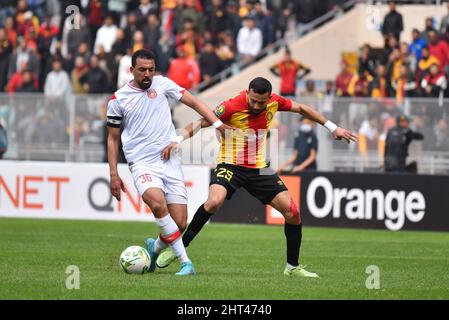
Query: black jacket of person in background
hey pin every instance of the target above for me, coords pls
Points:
(396, 146)
(393, 24)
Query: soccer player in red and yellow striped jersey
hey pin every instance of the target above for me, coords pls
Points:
(246, 145)
(241, 159)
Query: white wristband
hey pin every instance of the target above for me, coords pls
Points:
(330, 126)
(217, 124)
(178, 139)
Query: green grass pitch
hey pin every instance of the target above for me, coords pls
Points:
(232, 262)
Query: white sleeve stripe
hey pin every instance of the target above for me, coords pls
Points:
(114, 121)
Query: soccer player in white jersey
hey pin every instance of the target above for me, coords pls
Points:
(141, 108)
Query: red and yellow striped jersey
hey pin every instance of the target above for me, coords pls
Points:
(246, 145)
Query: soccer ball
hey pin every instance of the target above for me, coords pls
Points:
(135, 259)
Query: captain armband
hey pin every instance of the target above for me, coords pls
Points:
(114, 122)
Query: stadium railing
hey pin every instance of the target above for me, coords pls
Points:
(427, 115)
(73, 129)
(69, 128)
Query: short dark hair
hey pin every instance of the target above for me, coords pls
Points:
(143, 54)
(402, 117)
(260, 85)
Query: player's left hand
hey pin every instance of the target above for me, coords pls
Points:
(172, 147)
(341, 133)
(116, 184)
(223, 128)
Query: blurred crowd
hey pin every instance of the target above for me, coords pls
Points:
(381, 78)
(85, 46)
(400, 69)
(418, 69)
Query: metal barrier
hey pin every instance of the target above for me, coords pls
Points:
(371, 119)
(73, 129)
(70, 128)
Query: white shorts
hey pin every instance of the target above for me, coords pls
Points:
(165, 175)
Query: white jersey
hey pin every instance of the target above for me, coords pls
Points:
(146, 119)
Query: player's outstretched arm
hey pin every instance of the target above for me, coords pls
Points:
(337, 132)
(194, 127)
(197, 105)
(189, 131)
(116, 182)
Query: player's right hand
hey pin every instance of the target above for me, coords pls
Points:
(347, 135)
(116, 184)
(172, 147)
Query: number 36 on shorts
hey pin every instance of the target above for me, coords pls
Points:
(143, 178)
(224, 173)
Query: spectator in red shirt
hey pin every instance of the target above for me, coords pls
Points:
(184, 70)
(47, 29)
(11, 31)
(434, 83)
(95, 18)
(439, 49)
(290, 71)
(28, 84)
(47, 32)
(19, 77)
(342, 81)
(31, 37)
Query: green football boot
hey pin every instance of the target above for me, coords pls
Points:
(165, 258)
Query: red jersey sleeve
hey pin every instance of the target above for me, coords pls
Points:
(284, 104)
(223, 112)
(226, 109)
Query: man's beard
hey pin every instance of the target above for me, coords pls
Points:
(144, 85)
(255, 113)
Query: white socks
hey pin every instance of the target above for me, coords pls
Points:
(159, 245)
(170, 235)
